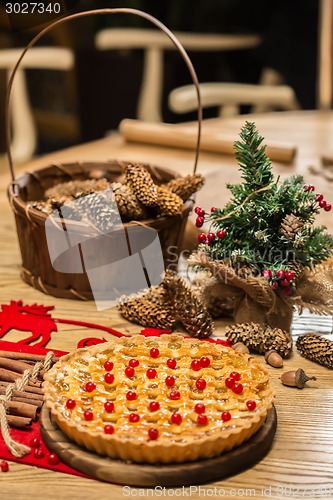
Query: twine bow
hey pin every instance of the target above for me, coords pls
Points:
(18, 450)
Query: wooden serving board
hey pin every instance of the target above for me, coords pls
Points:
(190, 473)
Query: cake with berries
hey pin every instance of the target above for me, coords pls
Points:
(160, 399)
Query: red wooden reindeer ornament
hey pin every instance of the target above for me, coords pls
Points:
(37, 320)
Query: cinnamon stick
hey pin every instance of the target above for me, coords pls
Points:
(22, 409)
(25, 356)
(10, 376)
(26, 388)
(34, 402)
(15, 421)
(14, 364)
(22, 394)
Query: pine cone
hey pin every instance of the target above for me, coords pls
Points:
(140, 181)
(95, 208)
(290, 226)
(130, 208)
(316, 348)
(184, 187)
(187, 306)
(259, 337)
(168, 203)
(149, 309)
(77, 188)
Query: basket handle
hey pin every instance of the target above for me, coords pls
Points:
(123, 10)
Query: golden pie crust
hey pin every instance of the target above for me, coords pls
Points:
(200, 431)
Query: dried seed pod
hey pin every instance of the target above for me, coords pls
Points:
(296, 378)
(240, 347)
(273, 358)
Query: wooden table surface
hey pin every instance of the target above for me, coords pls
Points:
(300, 463)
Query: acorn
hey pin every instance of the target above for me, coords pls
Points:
(273, 358)
(296, 378)
(240, 347)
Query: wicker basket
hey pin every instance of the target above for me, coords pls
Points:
(37, 269)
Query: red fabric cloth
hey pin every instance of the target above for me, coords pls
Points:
(25, 436)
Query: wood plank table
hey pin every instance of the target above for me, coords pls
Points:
(300, 463)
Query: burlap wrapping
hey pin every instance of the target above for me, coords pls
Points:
(252, 298)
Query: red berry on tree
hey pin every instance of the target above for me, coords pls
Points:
(154, 406)
(251, 404)
(200, 384)
(108, 366)
(319, 196)
(109, 406)
(211, 236)
(170, 381)
(285, 282)
(235, 376)
(199, 221)
(201, 238)
(226, 415)
(221, 233)
(274, 285)
(199, 211)
(204, 362)
(237, 388)
(287, 291)
(109, 378)
(172, 363)
(131, 396)
(196, 365)
(328, 207)
(311, 188)
(202, 420)
(153, 433)
(199, 408)
(154, 352)
(151, 373)
(322, 204)
(281, 274)
(90, 386)
(88, 415)
(133, 363)
(53, 459)
(70, 404)
(213, 209)
(108, 429)
(267, 273)
(174, 395)
(290, 275)
(134, 418)
(176, 418)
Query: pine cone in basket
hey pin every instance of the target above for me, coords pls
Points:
(149, 309)
(130, 208)
(184, 187)
(96, 210)
(316, 348)
(168, 203)
(141, 183)
(260, 338)
(77, 188)
(187, 306)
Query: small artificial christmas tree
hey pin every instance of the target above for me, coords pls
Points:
(264, 239)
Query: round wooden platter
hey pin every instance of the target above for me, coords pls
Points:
(147, 475)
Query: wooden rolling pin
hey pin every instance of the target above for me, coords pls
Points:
(184, 136)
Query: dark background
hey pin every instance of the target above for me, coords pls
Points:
(104, 87)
